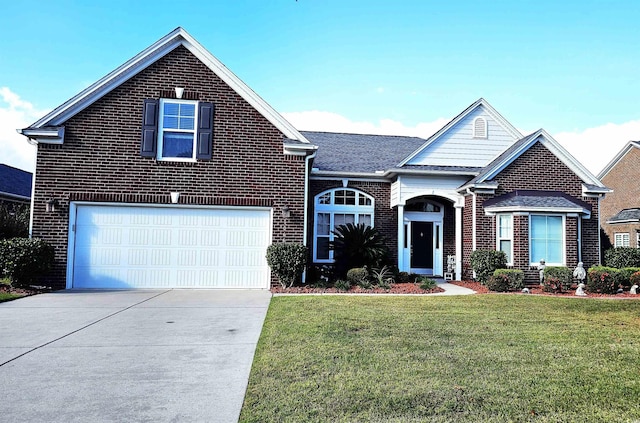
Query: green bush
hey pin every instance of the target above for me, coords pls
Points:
(622, 257)
(287, 260)
(358, 276)
(342, 285)
(515, 279)
(623, 277)
(557, 279)
(357, 246)
(485, 262)
(383, 277)
(403, 277)
(602, 279)
(498, 283)
(635, 279)
(14, 221)
(426, 283)
(24, 260)
(320, 275)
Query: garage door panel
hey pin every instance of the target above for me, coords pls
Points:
(144, 247)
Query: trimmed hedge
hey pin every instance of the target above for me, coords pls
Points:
(287, 261)
(24, 260)
(557, 279)
(504, 280)
(622, 257)
(485, 262)
(359, 276)
(602, 279)
(635, 279)
(623, 277)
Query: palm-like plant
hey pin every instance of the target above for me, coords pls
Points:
(357, 246)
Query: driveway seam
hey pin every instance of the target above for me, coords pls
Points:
(82, 328)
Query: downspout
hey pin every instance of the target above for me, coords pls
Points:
(580, 237)
(599, 241)
(33, 185)
(473, 220)
(307, 175)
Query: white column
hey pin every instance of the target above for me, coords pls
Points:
(458, 241)
(401, 238)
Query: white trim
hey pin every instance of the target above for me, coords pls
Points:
(73, 210)
(473, 222)
(480, 102)
(623, 152)
(458, 235)
(508, 238)
(564, 241)
(490, 211)
(150, 55)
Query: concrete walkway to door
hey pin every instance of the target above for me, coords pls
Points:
(128, 356)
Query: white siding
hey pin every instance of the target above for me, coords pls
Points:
(407, 187)
(457, 147)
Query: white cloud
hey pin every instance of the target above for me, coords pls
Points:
(595, 147)
(16, 113)
(333, 122)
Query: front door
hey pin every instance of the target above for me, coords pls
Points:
(422, 245)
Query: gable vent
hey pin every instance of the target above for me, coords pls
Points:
(479, 127)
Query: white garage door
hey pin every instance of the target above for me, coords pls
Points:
(170, 247)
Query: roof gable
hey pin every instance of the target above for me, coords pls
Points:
(168, 43)
(623, 152)
(455, 143)
(522, 145)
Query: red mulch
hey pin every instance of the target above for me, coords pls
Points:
(537, 290)
(396, 288)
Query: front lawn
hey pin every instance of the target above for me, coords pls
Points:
(489, 358)
(7, 296)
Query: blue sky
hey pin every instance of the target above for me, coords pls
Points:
(403, 67)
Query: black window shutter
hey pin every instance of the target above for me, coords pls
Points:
(148, 145)
(204, 145)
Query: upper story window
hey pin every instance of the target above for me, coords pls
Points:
(334, 208)
(479, 127)
(177, 130)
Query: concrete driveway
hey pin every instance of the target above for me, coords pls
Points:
(128, 356)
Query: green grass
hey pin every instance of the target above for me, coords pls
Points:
(483, 358)
(5, 296)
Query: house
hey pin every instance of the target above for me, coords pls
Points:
(15, 186)
(171, 172)
(620, 213)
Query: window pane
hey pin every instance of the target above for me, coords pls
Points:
(323, 226)
(546, 239)
(554, 251)
(186, 123)
(343, 219)
(171, 109)
(325, 199)
(538, 251)
(347, 197)
(538, 227)
(506, 247)
(365, 218)
(322, 248)
(177, 145)
(364, 200)
(554, 227)
(504, 230)
(170, 122)
(187, 110)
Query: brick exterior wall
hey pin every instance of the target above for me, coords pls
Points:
(623, 179)
(535, 169)
(100, 159)
(385, 218)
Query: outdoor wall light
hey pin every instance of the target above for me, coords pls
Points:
(175, 196)
(179, 92)
(286, 212)
(51, 205)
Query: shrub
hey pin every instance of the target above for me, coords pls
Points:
(622, 257)
(515, 279)
(602, 279)
(24, 260)
(287, 260)
(14, 221)
(342, 285)
(635, 279)
(358, 276)
(485, 262)
(498, 282)
(426, 283)
(383, 277)
(320, 275)
(623, 277)
(357, 246)
(557, 279)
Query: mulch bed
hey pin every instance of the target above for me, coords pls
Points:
(537, 290)
(396, 288)
(23, 292)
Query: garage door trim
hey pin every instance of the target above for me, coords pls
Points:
(73, 209)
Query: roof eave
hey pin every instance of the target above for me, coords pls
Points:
(614, 222)
(401, 171)
(46, 135)
(527, 209)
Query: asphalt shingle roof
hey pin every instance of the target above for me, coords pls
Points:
(15, 181)
(536, 199)
(360, 153)
(625, 216)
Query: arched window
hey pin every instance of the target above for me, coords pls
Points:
(479, 127)
(337, 207)
(420, 205)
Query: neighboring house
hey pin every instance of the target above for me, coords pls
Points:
(171, 172)
(15, 186)
(620, 210)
